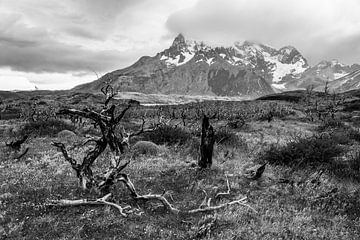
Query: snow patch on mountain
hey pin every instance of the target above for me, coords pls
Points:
(340, 75)
(274, 64)
(280, 70)
(210, 61)
(177, 60)
(279, 86)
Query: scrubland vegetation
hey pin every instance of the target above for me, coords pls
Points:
(310, 188)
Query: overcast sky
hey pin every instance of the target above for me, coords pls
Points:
(56, 44)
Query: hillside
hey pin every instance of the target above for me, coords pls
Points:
(190, 67)
(247, 69)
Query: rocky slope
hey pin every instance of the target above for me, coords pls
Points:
(244, 69)
(338, 76)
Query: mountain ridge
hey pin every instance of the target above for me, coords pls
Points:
(244, 69)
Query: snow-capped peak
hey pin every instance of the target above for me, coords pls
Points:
(274, 64)
(335, 62)
(179, 41)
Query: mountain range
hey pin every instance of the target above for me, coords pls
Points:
(247, 69)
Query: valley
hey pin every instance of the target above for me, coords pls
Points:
(309, 189)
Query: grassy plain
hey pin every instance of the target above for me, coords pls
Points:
(307, 200)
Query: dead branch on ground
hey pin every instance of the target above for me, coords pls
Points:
(108, 122)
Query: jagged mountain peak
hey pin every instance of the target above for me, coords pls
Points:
(245, 68)
(271, 64)
(179, 41)
(329, 63)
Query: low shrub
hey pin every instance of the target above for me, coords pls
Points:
(236, 124)
(341, 132)
(228, 138)
(45, 128)
(146, 148)
(192, 148)
(330, 124)
(354, 134)
(167, 134)
(316, 150)
(348, 168)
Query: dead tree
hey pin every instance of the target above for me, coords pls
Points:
(107, 121)
(207, 143)
(101, 184)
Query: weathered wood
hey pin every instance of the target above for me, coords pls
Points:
(101, 184)
(157, 197)
(207, 144)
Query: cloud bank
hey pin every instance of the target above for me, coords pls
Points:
(58, 44)
(320, 29)
(73, 37)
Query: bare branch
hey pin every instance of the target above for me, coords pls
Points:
(214, 208)
(109, 92)
(81, 202)
(22, 154)
(228, 189)
(86, 113)
(129, 105)
(62, 148)
(142, 130)
(125, 179)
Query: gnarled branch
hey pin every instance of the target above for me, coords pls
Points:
(125, 179)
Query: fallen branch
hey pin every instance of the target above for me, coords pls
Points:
(82, 202)
(214, 208)
(227, 193)
(125, 179)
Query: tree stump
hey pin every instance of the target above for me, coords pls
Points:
(207, 144)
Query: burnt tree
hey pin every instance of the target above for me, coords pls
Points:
(101, 184)
(207, 143)
(107, 121)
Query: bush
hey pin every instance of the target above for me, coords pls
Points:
(192, 148)
(348, 169)
(228, 138)
(353, 134)
(146, 147)
(316, 150)
(167, 134)
(331, 124)
(339, 131)
(45, 128)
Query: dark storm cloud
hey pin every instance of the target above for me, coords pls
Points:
(55, 57)
(50, 42)
(317, 28)
(32, 49)
(39, 46)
